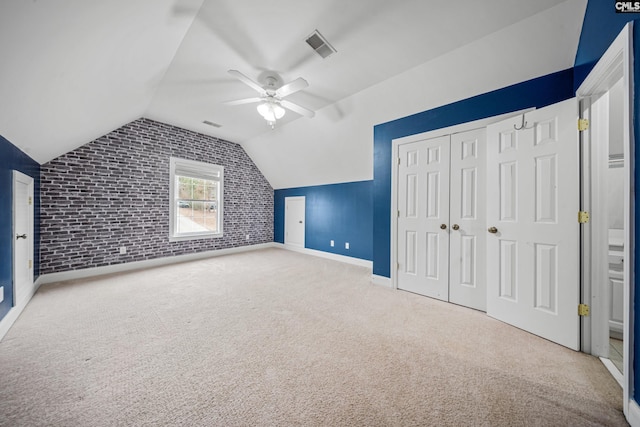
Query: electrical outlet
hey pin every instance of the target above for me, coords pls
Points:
(346, 245)
(1, 293)
(123, 250)
(332, 243)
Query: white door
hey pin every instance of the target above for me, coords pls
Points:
(532, 209)
(22, 237)
(467, 285)
(423, 217)
(294, 208)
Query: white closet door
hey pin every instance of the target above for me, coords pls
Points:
(533, 202)
(468, 220)
(423, 204)
(294, 218)
(22, 237)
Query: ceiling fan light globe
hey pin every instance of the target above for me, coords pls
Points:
(263, 109)
(278, 111)
(270, 116)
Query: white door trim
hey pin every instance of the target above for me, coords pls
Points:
(463, 127)
(616, 63)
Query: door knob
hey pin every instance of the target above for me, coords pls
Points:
(443, 226)
(21, 236)
(455, 226)
(493, 230)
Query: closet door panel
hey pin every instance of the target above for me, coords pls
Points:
(467, 284)
(423, 221)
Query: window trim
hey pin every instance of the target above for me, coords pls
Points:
(200, 170)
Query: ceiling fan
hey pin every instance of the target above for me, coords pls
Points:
(271, 96)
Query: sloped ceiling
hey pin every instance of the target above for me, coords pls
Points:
(337, 145)
(73, 70)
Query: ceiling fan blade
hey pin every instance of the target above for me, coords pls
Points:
(293, 87)
(246, 80)
(243, 101)
(296, 108)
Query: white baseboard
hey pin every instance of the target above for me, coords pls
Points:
(382, 281)
(10, 318)
(335, 257)
(615, 373)
(136, 265)
(633, 416)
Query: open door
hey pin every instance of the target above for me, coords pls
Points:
(533, 244)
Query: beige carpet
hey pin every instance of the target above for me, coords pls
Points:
(276, 338)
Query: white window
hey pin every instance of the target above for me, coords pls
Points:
(195, 199)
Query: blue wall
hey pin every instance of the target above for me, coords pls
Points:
(11, 158)
(533, 93)
(600, 28)
(338, 212)
(636, 254)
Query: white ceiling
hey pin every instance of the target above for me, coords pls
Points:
(73, 70)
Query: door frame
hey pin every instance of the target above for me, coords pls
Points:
(19, 177)
(286, 205)
(463, 127)
(616, 63)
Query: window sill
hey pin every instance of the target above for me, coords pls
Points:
(193, 236)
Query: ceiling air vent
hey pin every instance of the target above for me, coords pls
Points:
(320, 44)
(215, 125)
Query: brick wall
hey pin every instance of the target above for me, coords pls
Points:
(114, 192)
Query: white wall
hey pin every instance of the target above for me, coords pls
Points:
(337, 145)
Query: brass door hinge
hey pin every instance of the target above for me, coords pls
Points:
(583, 310)
(583, 217)
(30, 201)
(398, 161)
(398, 213)
(583, 124)
(30, 263)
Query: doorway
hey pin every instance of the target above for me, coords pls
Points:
(294, 221)
(608, 275)
(615, 227)
(22, 238)
(607, 176)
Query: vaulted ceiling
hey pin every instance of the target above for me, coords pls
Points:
(73, 70)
